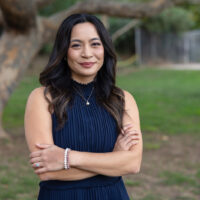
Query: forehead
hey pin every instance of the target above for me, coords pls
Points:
(84, 31)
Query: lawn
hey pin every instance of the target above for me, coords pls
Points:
(168, 102)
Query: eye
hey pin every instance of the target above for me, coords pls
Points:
(96, 44)
(75, 45)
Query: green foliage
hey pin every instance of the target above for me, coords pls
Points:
(122, 44)
(117, 23)
(133, 1)
(194, 9)
(57, 6)
(174, 19)
(46, 49)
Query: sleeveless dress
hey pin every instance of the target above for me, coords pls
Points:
(89, 128)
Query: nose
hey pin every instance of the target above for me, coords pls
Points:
(86, 52)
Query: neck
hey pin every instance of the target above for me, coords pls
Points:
(83, 81)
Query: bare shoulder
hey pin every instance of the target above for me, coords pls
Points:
(129, 100)
(131, 114)
(38, 94)
(37, 99)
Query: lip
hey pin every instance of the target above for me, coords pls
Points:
(87, 64)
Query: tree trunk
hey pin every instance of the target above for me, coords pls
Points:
(16, 53)
(25, 32)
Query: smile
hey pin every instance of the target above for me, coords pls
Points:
(87, 64)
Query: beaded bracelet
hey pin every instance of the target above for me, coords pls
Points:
(66, 158)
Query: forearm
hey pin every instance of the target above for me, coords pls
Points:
(71, 174)
(110, 164)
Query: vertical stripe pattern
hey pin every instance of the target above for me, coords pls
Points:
(89, 129)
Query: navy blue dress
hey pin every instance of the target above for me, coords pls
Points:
(89, 129)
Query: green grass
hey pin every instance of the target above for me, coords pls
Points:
(177, 178)
(151, 197)
(151, 146)
(13, 115)
(168, 100)
(198, 174)
(131, 183)
(18, 183)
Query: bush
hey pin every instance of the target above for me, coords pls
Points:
(57, 6)
(174, 19)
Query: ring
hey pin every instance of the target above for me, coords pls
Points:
(37, 164)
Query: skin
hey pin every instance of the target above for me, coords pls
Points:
(85, 46)
(127, 153)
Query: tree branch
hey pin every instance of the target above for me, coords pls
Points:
(18, 14)
(117, 9)
(43, 3)
(110, 8)
(124, 29)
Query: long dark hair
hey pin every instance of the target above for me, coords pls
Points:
(56, 77)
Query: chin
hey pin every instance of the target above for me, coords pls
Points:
(88, 73)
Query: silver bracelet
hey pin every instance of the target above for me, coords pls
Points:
(66, 158)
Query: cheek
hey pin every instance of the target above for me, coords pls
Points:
(100, 54)
(71, 55)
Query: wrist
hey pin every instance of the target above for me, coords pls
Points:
(74, 158)
(62, 154)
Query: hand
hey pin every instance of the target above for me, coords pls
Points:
(49, 158)
(126, 139)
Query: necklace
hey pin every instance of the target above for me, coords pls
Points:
(86, 100)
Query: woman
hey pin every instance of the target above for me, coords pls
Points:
(83, 131)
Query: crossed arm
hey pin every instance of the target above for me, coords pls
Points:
(125, 158)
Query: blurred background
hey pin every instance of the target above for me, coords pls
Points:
(158, 48)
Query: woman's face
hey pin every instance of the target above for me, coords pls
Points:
(85, 55)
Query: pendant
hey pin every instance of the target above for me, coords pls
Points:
(87, 103)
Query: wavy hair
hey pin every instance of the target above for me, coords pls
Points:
(56, 76)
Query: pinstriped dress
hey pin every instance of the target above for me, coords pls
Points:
(89, 129)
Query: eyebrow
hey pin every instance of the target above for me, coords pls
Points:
(76, 40)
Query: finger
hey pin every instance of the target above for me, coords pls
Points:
(37, 165)
(41, 170)
(128, 127)
(131, 137)
(43, 146)
(120, 136)
(122, 131)
(132, 142)
(129, 144)
(35, 154)
(131, 132)
(35, 160)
